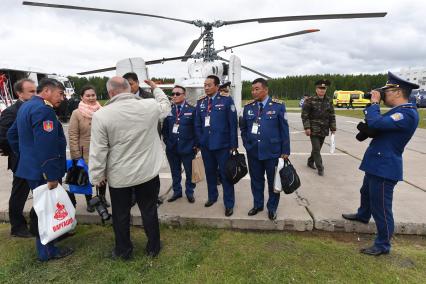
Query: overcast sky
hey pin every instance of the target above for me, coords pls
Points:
(69, 41)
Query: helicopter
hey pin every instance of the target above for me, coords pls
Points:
(207, 61)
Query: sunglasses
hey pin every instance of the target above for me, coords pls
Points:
(176, 94)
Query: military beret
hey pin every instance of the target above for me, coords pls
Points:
(396, 82)
(322, 83)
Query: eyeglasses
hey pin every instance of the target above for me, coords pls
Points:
(322, 88)
(177, 94)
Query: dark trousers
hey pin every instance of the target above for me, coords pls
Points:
(213, 159)
(175, 162)
(257, 169)
(146, 198)
(376, 201)
(317, 142)
(18, 197)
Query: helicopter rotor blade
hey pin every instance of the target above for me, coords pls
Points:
(40, 4)
(194, 45)
(247, 68)
(151, 62)
(307, 17)
(97, 71)
(225, 48)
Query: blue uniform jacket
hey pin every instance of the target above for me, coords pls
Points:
(272, 138)
(38, 139)
(383, 156)
(182, 142)
(222, 132)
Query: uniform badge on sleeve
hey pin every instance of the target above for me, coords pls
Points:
(397, 116)
(48, 125)
(233, 108)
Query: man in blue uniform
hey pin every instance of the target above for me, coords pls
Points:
(38, 139)
(382, 162)
(179, 136)
(265, 135)
(216, 135)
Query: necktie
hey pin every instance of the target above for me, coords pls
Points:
(260, 109)
(209, 106)
(179, 107)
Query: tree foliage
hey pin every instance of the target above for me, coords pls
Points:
(294, 87)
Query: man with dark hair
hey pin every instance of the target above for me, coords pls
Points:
(382, 162)
(133, 80)
(38, 138)
(179, 137)
(24, 89)
(216, 135)
(318, 119)
(265, 135)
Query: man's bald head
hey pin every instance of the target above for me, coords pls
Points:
(117, 85)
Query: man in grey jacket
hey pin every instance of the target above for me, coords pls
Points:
(126, 149)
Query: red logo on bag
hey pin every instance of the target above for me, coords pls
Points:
(60, 213)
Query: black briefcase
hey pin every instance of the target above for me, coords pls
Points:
(290, 181)
(236, 167)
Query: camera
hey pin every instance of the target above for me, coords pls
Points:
(100, 208)
(382, 95)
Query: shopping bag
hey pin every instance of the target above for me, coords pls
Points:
(78, 178)
(55, 212)
(198, 173)
(332, 143)
(277, 177)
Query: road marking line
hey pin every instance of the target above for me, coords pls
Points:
(353, 122)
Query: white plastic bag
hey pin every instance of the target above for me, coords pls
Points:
(332, 143)
(277, 178)
(55, 212)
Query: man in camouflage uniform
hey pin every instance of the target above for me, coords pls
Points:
(318, 118)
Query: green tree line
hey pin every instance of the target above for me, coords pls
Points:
(287, 88)
(294, 87)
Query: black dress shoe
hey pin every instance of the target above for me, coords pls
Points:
(254, 211)
(174, 198)
(229, 212)
(312, 165)
(191, 199)
(62, 252)
(353, 217)
(272, 215)
(22, 234)
(321, 172)
(115, 256)
(209, 203)
(373, 250)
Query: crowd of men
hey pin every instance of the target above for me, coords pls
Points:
(126, 151)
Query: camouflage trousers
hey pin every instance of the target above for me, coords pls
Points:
(317, 142)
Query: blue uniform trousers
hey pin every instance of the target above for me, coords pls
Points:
(213, 159)
(175, 161)
(257, 169)
(376, 201)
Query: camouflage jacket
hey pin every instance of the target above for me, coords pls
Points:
(318, 115)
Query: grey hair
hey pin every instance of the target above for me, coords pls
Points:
(118, 86)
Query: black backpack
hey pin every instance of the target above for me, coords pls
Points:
(236, 167)
(290, 181)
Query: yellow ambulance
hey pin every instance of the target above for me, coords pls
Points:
(343, 98)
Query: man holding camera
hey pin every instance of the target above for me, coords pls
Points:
(382, 162)
(318, 118)
(126, 149)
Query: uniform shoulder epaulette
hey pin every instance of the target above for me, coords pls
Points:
(202, 97)
(189, 105)
(249, 102)
(48, 103)
(277, 101)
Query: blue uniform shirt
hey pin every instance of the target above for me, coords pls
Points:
(272, 138)
(383, 156)
(183, 141)
(222, 132)
(38, 139)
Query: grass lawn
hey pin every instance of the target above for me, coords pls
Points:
(203, 255)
